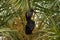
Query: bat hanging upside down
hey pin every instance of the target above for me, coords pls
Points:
(30, 23)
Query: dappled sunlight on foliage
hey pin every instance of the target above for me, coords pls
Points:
(13, 21)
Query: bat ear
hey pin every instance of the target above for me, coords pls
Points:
(31, 9)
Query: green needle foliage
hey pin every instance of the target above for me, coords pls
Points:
(46, 17)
